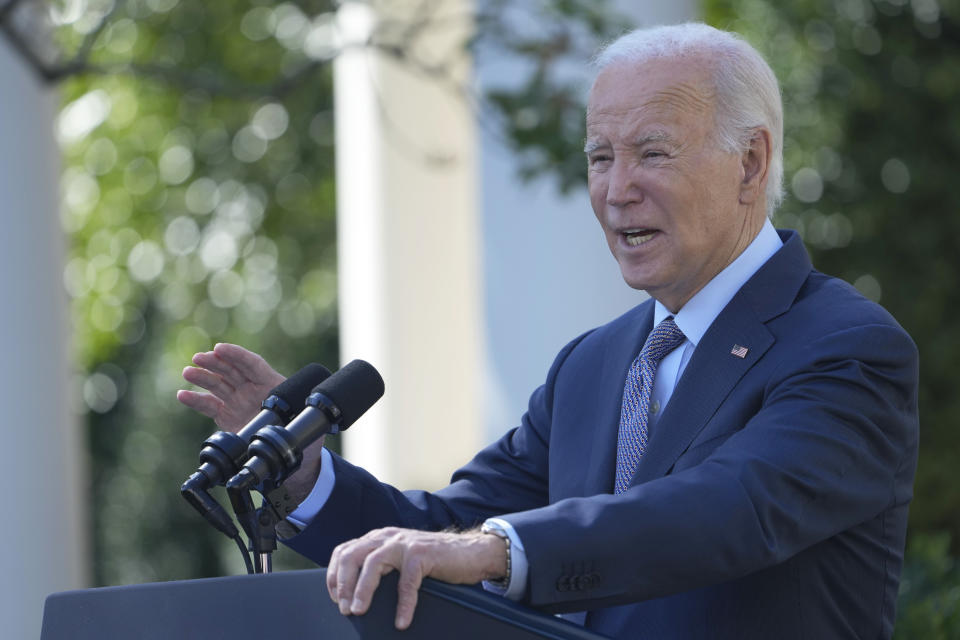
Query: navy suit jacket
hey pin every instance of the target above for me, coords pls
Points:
(772, 498)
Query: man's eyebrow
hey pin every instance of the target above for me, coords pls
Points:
(589, 146)
(659, 135)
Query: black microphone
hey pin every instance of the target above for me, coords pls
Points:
(223, 453)
(276, 452)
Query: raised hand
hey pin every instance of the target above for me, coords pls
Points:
(236, 382)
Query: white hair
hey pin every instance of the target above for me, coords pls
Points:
(747, 93)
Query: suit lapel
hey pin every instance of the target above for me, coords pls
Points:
(713, 371)
(709, 377)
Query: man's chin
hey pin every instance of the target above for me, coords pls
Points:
(636, 281)
(652, 287)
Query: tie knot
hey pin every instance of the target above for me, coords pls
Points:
(664, 338)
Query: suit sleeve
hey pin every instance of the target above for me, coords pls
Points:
(508, 476)
(833, 445)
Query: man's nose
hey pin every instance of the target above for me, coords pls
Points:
(622, 188)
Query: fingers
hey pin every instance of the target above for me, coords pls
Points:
(238, 380)
(408, 589)
(377, 564)
(333, 568)
(201, 402)
(208, 380)
(346, 561)
(210, 361)
(247, 364)
(357, 566)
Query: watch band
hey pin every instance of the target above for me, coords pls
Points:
(497, 530)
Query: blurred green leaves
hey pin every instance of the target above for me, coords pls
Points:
(198, 196)
(929, 605)
(542, 117)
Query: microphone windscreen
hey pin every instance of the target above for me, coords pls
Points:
(295, 389)
(353, 389)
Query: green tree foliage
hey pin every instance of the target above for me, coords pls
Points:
(543, 117)
(199, 198)
(929, 605)
(198, 192)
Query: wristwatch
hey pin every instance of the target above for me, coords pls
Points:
(497, 530)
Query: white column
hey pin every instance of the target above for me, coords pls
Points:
(458, 281)
(45, 543)
(408, 243)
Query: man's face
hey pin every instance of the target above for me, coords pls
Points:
(667, 197)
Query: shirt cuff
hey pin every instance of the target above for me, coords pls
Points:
(517, 587)
(304, 514)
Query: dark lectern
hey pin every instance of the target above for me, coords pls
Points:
(292, 605)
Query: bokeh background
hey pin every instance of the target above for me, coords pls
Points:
(198, 203)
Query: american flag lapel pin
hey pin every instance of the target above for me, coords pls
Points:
(739, 351)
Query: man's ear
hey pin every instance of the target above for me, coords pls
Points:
(755, 164)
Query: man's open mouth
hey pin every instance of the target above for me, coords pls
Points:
(636, 237)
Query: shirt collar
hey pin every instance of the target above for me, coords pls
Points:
(695, 317)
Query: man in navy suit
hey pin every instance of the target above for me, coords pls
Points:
(733, 458)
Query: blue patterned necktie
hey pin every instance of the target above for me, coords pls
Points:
(632, 436)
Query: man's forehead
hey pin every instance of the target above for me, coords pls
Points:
(655, 87)
(682, 95)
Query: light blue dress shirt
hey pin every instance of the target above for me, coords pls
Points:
(693, 319)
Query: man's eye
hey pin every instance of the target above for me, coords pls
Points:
(599, 159)
(654, 154)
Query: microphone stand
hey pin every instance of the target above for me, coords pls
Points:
(260, 524)
(276, 452)
(277, 505)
